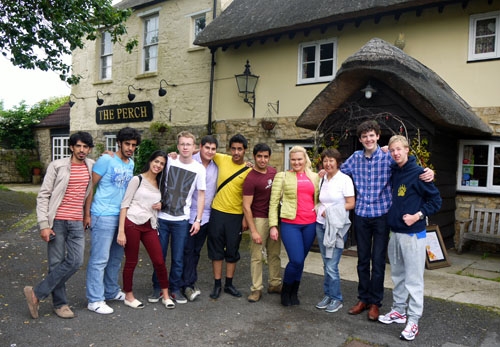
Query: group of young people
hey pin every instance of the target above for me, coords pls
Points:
(175, 197)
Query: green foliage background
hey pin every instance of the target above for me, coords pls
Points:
(17, 124)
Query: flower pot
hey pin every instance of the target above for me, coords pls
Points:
(37, 171)
(267, 125)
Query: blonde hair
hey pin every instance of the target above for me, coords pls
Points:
(399, 138)
(186, 134)
(300, 149)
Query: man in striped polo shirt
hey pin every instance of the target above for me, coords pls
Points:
(61, 202)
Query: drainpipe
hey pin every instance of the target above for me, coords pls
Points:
(212, 74)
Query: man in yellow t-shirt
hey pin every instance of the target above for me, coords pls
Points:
(227, 222)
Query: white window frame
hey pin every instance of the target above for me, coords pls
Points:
(150, 47)
(194, 28)
(111, 144)
(464, 165)
(288, 147)
(317, 61)
(105, 68)
(473, 36)
(60, 147)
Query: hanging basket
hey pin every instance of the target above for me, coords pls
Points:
(267, 125)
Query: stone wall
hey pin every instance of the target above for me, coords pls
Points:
(8, 171)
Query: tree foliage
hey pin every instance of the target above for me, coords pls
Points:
(37, 34)
(17, 124)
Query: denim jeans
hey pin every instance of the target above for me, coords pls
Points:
(192, 250)
(297, 239)
(105, 259)
(65, 257)
(179, 232)
(331, 283)
(372, 236)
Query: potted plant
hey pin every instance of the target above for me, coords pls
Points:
(36, 167)
(160, 127)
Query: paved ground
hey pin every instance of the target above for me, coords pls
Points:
(205, 322)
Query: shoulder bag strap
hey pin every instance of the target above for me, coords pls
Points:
(243, 169)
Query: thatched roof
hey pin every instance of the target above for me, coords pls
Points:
(406, 76)
(260, 19)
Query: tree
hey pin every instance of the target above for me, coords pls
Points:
(16, 125)
(39, 33)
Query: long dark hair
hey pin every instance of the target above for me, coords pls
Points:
(154, 155)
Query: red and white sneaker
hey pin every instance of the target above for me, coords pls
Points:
(410, 332)
(392, 317)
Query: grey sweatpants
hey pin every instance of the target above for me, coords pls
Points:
(407, 258)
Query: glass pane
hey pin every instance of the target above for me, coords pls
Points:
(326, 68)
(496, 159)
(326, 51)
(475, 165)
(308, 70)
(486, 27)
(485, 45)
(308, 54)
(106, 43)
(199, 25)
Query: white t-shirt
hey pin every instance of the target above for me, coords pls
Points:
(181, 182)
(333, 191)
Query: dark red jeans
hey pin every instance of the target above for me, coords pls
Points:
(149, 237)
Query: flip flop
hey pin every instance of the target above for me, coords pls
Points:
(134, 304)
(168, 303)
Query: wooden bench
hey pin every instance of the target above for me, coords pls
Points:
(483, 225)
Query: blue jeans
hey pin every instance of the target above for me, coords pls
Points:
(297, 239)
(105, 259)
(179, 232)
(65, 257)
(331, 283)
(372, 236)
(192, 251)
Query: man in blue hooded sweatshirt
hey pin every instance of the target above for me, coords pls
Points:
(412, 201)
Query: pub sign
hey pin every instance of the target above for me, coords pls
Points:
(124, 113)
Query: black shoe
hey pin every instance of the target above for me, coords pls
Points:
(232, 290)
(215, 292)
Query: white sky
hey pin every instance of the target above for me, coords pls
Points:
(31, 86)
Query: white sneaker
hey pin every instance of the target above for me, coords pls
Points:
(392, 317)
(120, 296)
(410, 332)
(99, 307)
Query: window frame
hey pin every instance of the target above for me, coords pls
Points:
(489, 188)
(110, 143)
(106, 56)
(472, 36)
(317, 61)
(60, 147)
(147, 46)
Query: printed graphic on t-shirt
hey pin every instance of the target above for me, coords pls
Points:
(179, 183)
(121, 176)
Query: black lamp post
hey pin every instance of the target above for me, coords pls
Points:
(246, 85)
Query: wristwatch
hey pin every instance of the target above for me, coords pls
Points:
(420, 215)
(198, 220)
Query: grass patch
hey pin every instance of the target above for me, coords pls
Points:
(27, 223)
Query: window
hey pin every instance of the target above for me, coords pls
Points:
(198, 22)
(111, 143)
(150, 44)
(289, 146)
(317, 61)
(60, 147)
(106, 55)
(484, 36)
(479, 166)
